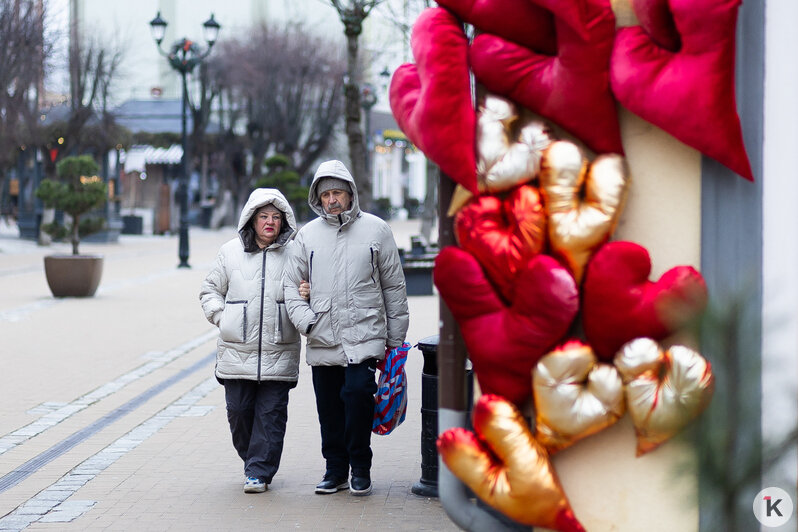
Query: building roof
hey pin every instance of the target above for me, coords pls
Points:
(137, 157)
(155, 116)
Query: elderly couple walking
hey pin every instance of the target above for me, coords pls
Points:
(339, 282)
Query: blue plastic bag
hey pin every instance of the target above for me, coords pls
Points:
(391, 397)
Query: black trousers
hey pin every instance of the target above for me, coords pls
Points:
(345, 404)
(257, 413)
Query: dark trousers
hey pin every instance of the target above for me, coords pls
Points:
(257, 413)
(345, 404)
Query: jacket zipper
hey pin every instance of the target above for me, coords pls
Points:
(310, 269)
(371, 249)
(260, 326)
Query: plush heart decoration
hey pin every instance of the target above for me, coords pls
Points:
(620, 304)
(504, 342)
(583, 201)
(571, 89)
(575, 396)
(520, 21)
(656, 19)
(503, 234)
(506, 468)
(665, 390)
(503, 161)
(688, 93)
(431, 100)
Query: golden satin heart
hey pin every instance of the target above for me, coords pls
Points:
(665, 389)
(506, 467)
(507, 155)
(575, 396)
(584, 201)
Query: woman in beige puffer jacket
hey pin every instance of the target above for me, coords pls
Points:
(257, 356)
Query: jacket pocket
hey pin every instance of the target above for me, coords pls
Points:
(284, 330)
(321, 334)
(233, 325)
(369, 316)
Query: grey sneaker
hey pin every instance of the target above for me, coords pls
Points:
(254, 485)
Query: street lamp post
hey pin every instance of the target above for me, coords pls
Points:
(368, 98)
(183, 57)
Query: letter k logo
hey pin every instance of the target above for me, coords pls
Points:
(772, 506)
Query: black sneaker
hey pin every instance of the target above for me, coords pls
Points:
(331, 484)
(361, 484)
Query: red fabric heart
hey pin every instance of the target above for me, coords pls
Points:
(431, 100)
(571, 89)
(519, 21)
(503, 234)
(656, 19)
(688, 93)
(505, 342)
(620, 304)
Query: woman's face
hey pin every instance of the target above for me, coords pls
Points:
(267, 223)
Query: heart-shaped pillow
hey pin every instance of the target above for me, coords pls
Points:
(503, 234)
(571, 89)
(688, 93)
(431, 100)
(620, 304)
(665, 390)
(506, 468)
(575, 396)
(505, 342)
(584, 202)
(656, 19)
(506, 159)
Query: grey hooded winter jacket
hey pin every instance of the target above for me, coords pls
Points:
(243, 296)
(358, 301)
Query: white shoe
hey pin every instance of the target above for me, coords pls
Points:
(254, 485)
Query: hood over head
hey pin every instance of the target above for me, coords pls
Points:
(261, 197)
(337, 170)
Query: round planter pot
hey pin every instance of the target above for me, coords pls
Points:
(73, 275)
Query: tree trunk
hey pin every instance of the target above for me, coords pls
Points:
(75, 236)
(357, 148)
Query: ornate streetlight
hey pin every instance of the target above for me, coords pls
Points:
(183, 57)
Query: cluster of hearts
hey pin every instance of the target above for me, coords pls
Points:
(533, 219)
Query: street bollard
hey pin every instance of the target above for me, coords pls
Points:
(427, 486)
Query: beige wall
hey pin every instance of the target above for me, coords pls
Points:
(610, 489)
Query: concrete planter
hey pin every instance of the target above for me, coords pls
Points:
(73, 275)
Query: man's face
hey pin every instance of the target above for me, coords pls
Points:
(335, 201)
(267, 225)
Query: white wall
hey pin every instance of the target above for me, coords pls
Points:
(780, 242)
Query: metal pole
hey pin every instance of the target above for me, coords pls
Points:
(183, 184)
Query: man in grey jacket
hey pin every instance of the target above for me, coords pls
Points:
(357, 309)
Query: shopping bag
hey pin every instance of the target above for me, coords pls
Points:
(390, 401)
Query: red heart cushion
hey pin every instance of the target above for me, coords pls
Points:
(519, 21)
(431, 100)
(503, 234)
(620, 304)
(571, 89)
(505, 342)
(656, 19)
(688, 93)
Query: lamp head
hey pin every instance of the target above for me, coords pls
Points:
(158, 28)
(211, 30)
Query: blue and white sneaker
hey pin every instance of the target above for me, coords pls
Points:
(254, 485)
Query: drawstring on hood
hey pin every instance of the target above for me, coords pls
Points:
(337, 170)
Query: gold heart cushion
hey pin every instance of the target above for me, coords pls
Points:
(506, 468)
(583, 201)
(575, 396)
(665, 389)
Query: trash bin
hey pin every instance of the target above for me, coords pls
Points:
(427, 486)
(132, 225)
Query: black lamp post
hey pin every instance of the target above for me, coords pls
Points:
(183, 57)
(368, 98)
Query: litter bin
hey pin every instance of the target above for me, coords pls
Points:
(427, 486)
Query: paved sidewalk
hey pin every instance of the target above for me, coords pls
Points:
(110, 418)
